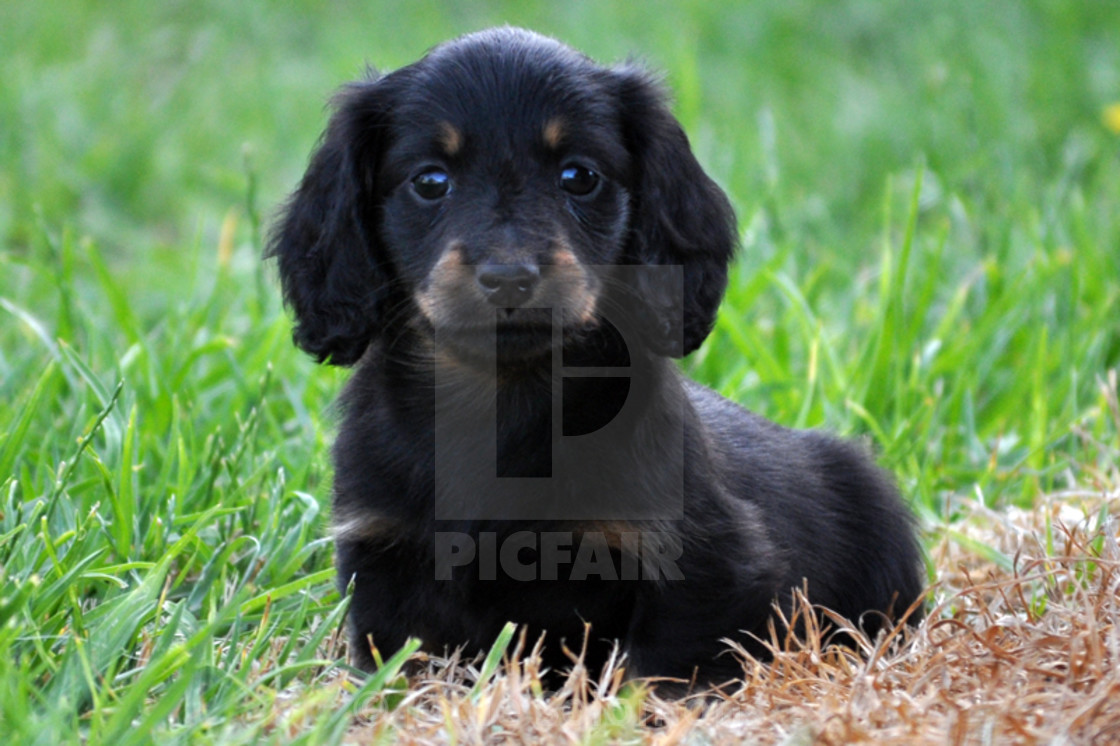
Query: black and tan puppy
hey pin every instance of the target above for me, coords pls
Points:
(511, 242)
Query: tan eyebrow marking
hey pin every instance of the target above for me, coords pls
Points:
(553, 132)
(450, 138)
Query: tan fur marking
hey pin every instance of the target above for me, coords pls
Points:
(446, 274)
(450, 138)
(564, 258)
(553, 132)
(612, 531)
(571, 279)
(361, 527)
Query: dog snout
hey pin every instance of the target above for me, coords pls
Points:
(508, 285)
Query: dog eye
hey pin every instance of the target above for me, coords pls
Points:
(432, 184)
(578, 180)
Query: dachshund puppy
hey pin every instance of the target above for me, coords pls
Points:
(510, 243)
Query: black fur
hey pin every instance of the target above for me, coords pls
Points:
(385, 269)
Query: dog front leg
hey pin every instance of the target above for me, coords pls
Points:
(395, 596)
(681, 624)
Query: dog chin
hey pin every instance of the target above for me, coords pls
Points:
(522, 338)
(501, 344)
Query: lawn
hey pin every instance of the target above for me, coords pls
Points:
(929, 200)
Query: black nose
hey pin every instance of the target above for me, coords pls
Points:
(508, 285)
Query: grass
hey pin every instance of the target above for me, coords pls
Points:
(928, 197)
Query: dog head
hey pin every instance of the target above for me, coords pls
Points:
(491, 185)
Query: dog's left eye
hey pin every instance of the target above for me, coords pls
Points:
(578, 180)
(432, 184)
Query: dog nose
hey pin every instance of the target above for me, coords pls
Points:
(508, 285)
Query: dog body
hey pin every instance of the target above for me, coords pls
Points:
(512, 242)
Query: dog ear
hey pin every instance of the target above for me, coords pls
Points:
(332, 267)
(679, 217)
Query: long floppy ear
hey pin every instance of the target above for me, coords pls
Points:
(332, 267)
(679, 217)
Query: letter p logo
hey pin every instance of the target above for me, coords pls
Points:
(588, 431)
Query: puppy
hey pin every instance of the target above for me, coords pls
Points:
(510, 243)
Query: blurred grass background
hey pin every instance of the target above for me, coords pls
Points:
(928, 194)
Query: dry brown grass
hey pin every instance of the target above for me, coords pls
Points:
(1021, 645)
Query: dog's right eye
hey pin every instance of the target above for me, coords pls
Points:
(578, 180)
(432, 184)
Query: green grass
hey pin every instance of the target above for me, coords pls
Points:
(931, 256)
